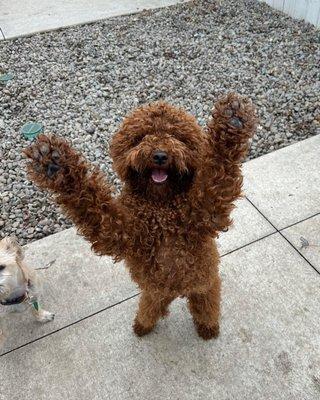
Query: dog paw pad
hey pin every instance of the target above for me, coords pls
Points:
(236, 123)
(228, 112)
(52, 169)
(235, 105)
(44, 149)
(55, 155)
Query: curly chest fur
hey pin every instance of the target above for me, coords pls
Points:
(165, 255)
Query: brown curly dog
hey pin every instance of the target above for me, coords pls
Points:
(180, 183)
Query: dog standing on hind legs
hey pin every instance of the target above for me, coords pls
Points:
(180, 183)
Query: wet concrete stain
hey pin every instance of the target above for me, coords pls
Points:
(316, 381)
(245, 336)
(283, 363)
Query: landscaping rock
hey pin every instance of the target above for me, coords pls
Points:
(81, 81)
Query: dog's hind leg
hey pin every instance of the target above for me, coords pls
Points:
(151, 308)
(205, 309)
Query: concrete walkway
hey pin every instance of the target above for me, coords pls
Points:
(25, 17)
(269, 347)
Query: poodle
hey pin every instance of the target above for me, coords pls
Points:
(179, 186)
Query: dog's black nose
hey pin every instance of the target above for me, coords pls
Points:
(160, 157)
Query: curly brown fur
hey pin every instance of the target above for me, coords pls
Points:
(151, 307)
(180, 183)
(205, 309)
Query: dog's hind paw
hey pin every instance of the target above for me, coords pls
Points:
(207, 332)
(141, 330)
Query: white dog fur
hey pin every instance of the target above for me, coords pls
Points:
(18, 283)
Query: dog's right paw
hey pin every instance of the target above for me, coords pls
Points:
(141, 330)
(50, 160)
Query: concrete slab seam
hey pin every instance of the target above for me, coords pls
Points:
(71, 324)
(299, 222)
(248, 244)
(287, 240)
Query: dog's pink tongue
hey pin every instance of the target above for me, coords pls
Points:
(159, 175)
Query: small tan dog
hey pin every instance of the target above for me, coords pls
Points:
(18, 283)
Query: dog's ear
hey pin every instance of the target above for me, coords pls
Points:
(11, 245)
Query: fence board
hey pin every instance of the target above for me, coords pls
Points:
(308, 10)
(313, 12)
(278, 4)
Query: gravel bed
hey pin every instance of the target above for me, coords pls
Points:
(81, 81)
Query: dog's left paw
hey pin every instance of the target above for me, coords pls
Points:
(44, 316)
(235, 116)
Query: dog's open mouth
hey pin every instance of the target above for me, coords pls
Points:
(160, 181)
(159, 175)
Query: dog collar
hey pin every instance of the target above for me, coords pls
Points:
(19, 299)
(16, 300)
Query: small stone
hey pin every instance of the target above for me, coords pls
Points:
(91, 129)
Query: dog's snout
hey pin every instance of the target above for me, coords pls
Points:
(160, 157)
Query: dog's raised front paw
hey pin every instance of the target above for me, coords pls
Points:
(45, 156)
(236, 114)
(51, 160)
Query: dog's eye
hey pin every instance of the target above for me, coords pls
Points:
(2, 267)
(136, 140)
(183, 140)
